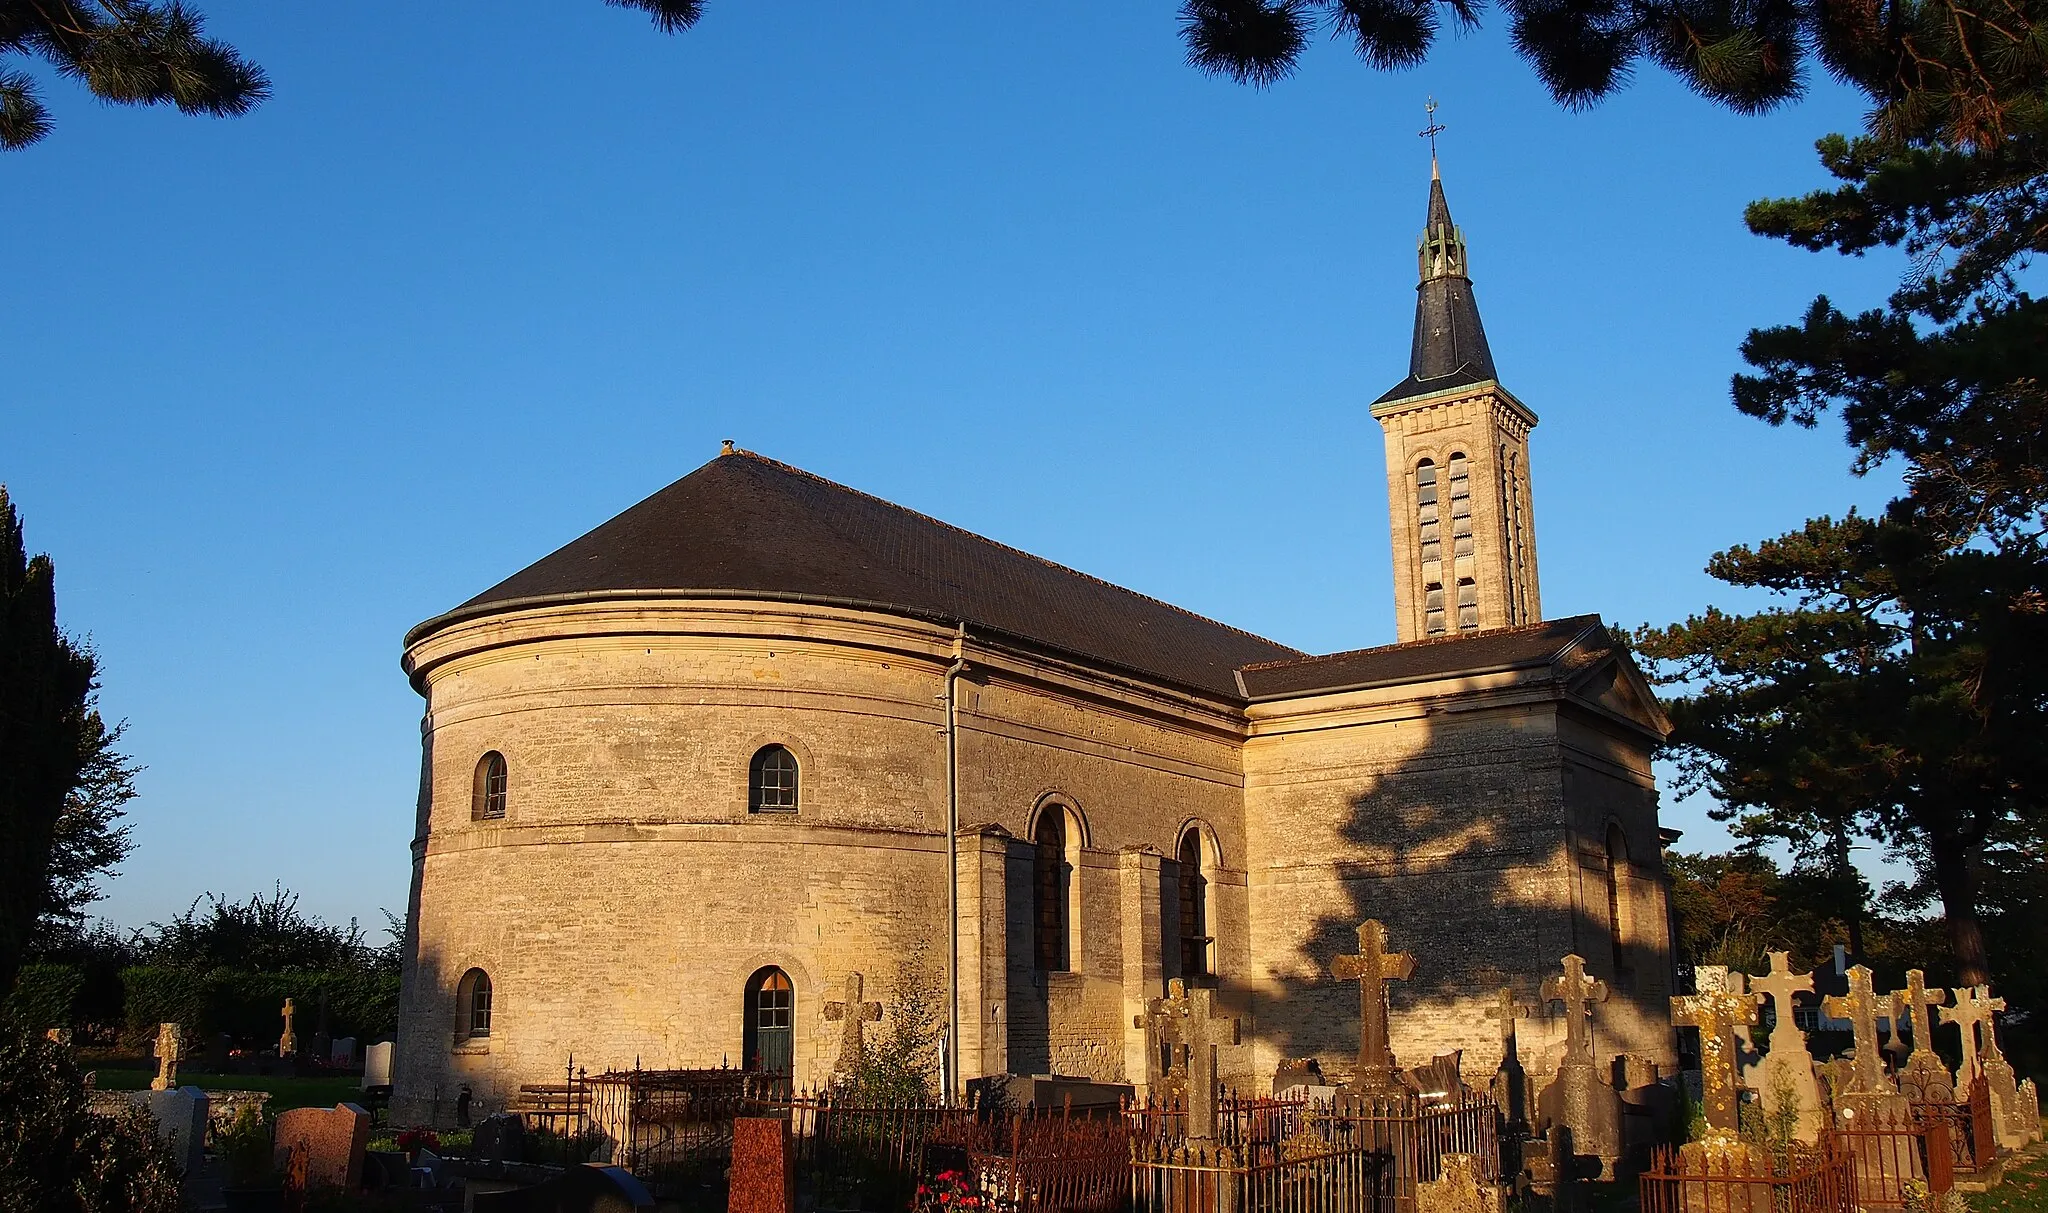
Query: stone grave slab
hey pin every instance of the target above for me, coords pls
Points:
(322, 1147)
(377, 1065)
(763, 1166)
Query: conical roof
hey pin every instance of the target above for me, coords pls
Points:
(1449, 347)
(747, 526)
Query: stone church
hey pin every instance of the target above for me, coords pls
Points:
(684, 778)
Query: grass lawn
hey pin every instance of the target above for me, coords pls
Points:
(2025, 1190)
(284, 1092)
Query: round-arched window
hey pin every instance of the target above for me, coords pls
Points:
(772, 781)
(473, 1000)
(487, 795)
(769, 1033)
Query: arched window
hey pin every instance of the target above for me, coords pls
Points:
(1511, 494)
(1195, 936)
(1049, 876)
(771, 781)
(473, 1000)
(770, 1012)
(1617, 906)
(1464, 567)
(487, 794)
(1429, 532)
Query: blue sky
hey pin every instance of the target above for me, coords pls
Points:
(482, 274)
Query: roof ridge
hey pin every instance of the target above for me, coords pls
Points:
(1422, 643)
(979, 538)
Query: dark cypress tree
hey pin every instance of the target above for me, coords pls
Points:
(49, 734)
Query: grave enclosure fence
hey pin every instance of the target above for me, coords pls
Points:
(1870, 1163)
(674, 1131)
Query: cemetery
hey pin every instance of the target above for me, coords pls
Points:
(1756, 1124)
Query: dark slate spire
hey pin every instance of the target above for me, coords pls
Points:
(1449, 349)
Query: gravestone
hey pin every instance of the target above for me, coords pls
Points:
(1925, 1078)
(1721, 1004)
(590, 1188)
(2030, 1109)
(2015, 1121)
(180, 1114)
(1862, 1088)
(1784, 1080)
(342, 1051)
(377, 1065)
(1439, 1082)
(499, 1137)
(1372, 968)
(1166, 1044)
(763, 1166)
(288, 1043)
(60, 1036)
(1458, 1189)
(1298, 1073)
(1580, 1100)
(1203, 1031)
(170, 1043)
(322, 1147)
(219, 1047)
(1510, 1080)
(851, 1015)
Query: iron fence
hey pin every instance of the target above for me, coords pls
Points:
(1817, 1181)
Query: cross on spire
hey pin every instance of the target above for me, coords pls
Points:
(1721, 1006)
(1430, 131)
(1372, 969)
(1577, 992)
(850, 1015)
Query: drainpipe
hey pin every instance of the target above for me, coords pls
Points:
(953, 671)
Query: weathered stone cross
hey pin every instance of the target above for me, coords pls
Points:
(1974, 1006)
(1717, 1010)
(1192, 1014)
(1577, 992)
(288, 1043)
(1926, 1076)
(1859, 1006)
(1780, 986)
(1372, 969)
(850, 1015)
(170, 1041)
(1507, 1009)
(1164, 1022)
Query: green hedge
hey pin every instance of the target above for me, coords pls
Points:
(249, 1006)
(45, 996)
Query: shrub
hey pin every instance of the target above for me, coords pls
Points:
(45, 996)
(56, 1153)
(245, 1150)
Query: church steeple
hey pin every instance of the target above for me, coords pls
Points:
(1457, 458)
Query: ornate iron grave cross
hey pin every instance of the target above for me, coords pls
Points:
(1372, 969)
(1926, 1076)
(1859, 1006)
(1717, 1010)
(1780, 986)
(1974, 1006)
(1578, 993)
(850, 1015)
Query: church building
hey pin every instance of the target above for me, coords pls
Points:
(763, 751)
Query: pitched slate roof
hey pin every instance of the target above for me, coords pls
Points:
(1571, 644)
(748, 526)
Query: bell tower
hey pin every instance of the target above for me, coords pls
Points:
(1457, 460)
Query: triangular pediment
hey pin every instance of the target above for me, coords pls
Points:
(1615, 686)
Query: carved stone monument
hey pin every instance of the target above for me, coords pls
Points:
(2015, 1119)
(288, 1043)
(170, 1043)
(1372, 969)
(1863, 1088)
(1458, 1189)
(1784, 1080)
(1720, 1006)
(1166, 1041)
(1581, 1100)
(1206, 1031)
(1510, 1080)
(851, 1015)
(1925, 1078)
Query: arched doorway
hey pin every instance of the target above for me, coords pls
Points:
(770, 1011)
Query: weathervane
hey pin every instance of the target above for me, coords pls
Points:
(1434, 128)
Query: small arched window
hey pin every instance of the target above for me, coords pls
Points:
(771, 781)
(768, 1033)
(1049, 875)
(473, 999)
(1195, 936)
(487, 795)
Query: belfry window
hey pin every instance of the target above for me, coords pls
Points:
(487, 794)
(473, 996)
(1464, 566)
(772, 781)
(1049, 876)
(1511, 495)
(1194, 907)
(1429, 533)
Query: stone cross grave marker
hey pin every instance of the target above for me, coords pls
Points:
(1578, 993)
(170, 1041)
(850, 1015)
(1859, 1006)
(1926, 1077)
(1973, 1006)
(1372, 969)
(1510, 1080)
(2015, 1118)
(1165, 1026)
(1203, 1030)
(1788, 1066)
(1721, 1005)
(288, 1043)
